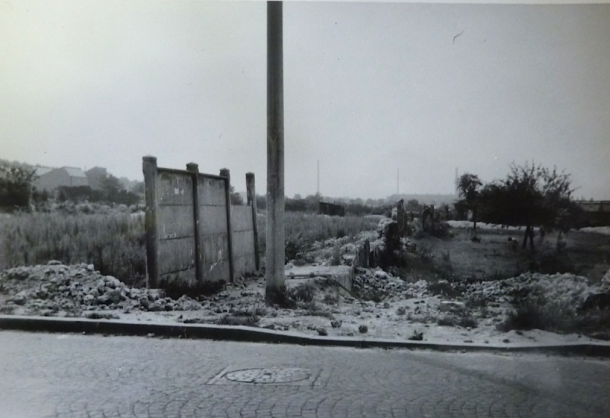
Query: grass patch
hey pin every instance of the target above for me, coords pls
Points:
(303, 293)
(331, 299)
(248, 321)
(559, 317)
(303, 229)
(443, 288)
(465, 321)
(98, 315)
(113, 243)
(259, 311)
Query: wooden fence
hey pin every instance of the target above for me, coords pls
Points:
(194, 235)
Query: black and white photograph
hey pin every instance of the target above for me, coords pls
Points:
(313, 209)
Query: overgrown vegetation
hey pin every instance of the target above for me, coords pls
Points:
(15, 187)
(303, 229)
(113, 243)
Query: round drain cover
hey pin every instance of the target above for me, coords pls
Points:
(268, 375)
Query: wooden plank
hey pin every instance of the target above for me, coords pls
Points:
(215, 248)
(174, 189)
(179, 279)
(241, 217)
(175, 221)
(176, 255)
(244, 265)
(213, 219)
(211, 191)
(217, 271)
(243, 243)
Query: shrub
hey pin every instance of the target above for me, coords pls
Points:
(537, 313)
(443, 288)
(331, 299)
(249, 320)
(303, 293)
(468, 322)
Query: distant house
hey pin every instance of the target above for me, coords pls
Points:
(64, 176)
(596, 213)
(96, 175)
(330, 209)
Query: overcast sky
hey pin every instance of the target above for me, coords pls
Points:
(369, 88)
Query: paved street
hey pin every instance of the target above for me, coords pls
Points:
(52, 375)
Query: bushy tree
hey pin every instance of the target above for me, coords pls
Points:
(236, 199)
(468, 187)
(15, 186)
(531, 195)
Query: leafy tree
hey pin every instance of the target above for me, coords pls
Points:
(15, 186)
(531, 195)
(468, 187)
(236, 198)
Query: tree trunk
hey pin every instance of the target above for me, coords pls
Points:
(474, 220)
(529, 233)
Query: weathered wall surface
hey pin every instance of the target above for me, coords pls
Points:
(176, 227)
(213, 229)
(243, 240)
(192, 236)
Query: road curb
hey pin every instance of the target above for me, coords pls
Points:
(252, 334)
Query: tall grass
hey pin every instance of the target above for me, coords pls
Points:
(113, 243)
(304, 229)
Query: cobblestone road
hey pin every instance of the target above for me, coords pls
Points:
(50, 375)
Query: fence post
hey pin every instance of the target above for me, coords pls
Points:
(149, 167)
(251, 193)
(194, 168)
(227, 175)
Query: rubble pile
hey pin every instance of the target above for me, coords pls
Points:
(48, 289)
(565, 289)
(372, 284)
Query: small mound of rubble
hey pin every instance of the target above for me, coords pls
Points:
(371, 284)
(566, 289)
(54, 288)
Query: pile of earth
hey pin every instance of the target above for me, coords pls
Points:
(52, 288)
(376, 284)
(567, 290)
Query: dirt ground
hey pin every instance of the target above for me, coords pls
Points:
(494, 256)
(414, 302)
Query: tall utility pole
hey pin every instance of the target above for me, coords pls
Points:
(318, 189)
(397, 182)
(275, 235)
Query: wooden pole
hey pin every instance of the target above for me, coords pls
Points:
(251, 193)
(149, 167)
(194, 168)
(225, 173)
(275, 235)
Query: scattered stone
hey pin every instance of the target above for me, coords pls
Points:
(505, 340)
(417, 336)
(336, 323)
(322, 331)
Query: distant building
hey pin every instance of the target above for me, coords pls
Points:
(96, 176)
(330, 209)
(64, 176)
(596, 213)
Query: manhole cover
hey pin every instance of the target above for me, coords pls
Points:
(268, 375)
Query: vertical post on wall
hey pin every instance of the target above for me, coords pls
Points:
(275, 235)
(149, 167)
(194, 168)
(251, 193)
(227, 175)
